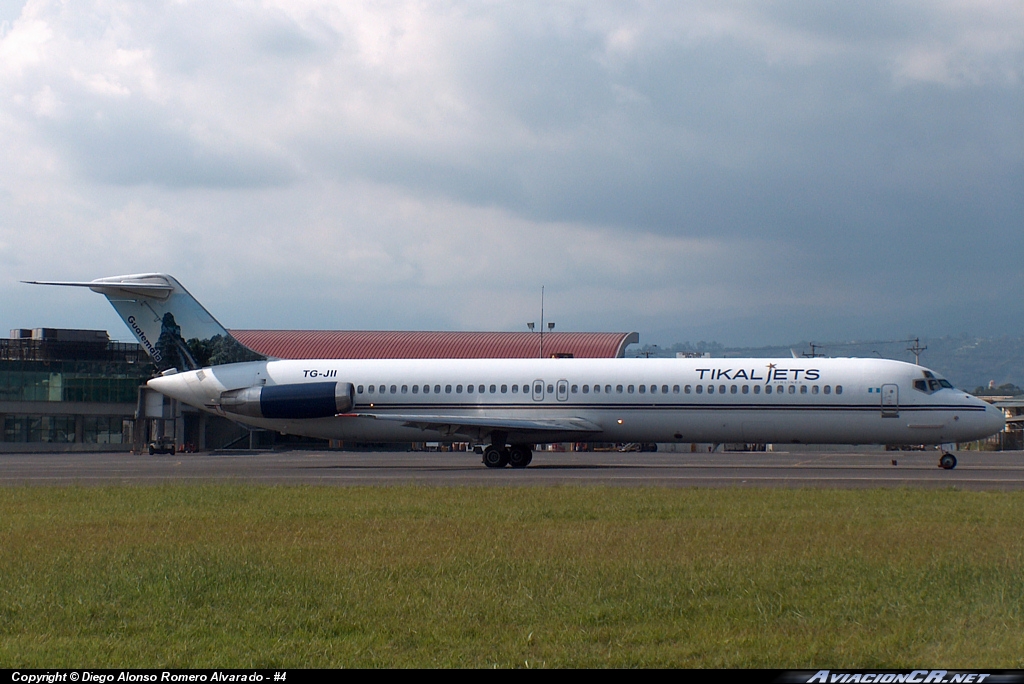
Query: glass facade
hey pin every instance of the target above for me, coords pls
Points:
(90, 381)
(39, 428)
(44, 384)
(106, 430)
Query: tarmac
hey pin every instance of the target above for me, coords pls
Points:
(841, 470)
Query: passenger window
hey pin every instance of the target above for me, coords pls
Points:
(618, 389)
(643, 389)
(721, 389)
(415, 389)
(839, 389)
(381, 389)
(803, 389)
(405, 389)
(359, 390)
(732, 389)
(700, 389)
(551, 389)
(608, 389)
(792, 389)
(458, 389)
(494, 389)
(767, 389)
(574, 389)
(586, 389)
(828, 389)
(675, 389)
(746, 389)
(394, 389)
(711, 389)
(515, 389)
(686, 389)
(504, 389)
(814, 389)
(447, 389)
(480, 389)
(437, 389)
(597, 389)
(757, 389)
(469, 389)
(369, 389)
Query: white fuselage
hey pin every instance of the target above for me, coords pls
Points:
(837, 401)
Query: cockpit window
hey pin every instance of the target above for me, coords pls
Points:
(932, 384)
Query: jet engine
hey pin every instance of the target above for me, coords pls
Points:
(295, 401)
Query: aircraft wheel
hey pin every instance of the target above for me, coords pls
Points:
(520, 456)
(495, 457)
(947, 461)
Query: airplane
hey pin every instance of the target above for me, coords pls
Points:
(509, 405)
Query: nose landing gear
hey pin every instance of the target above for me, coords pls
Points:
(947, 461)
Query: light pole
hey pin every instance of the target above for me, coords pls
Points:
(551, 325)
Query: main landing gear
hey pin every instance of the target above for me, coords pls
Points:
(517, 456)
(947, 461)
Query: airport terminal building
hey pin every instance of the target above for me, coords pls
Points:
(69, 390)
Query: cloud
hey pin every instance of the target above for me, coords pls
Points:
(753, 169)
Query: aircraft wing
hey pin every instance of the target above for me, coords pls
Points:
(457, 424)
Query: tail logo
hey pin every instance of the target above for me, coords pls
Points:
(139, 333)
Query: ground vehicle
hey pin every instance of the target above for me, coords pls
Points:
(162, 445)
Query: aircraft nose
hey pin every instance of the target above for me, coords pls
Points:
(995, 419)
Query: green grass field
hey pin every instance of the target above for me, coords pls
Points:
(234, 576)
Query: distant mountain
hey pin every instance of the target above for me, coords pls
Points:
(968, 362)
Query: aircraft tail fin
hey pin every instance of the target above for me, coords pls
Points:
(168, 322)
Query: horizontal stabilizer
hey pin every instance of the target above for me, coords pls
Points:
(111, 286)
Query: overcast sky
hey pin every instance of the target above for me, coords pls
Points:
(746, 172)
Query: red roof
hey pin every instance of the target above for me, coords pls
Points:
(375, 344)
